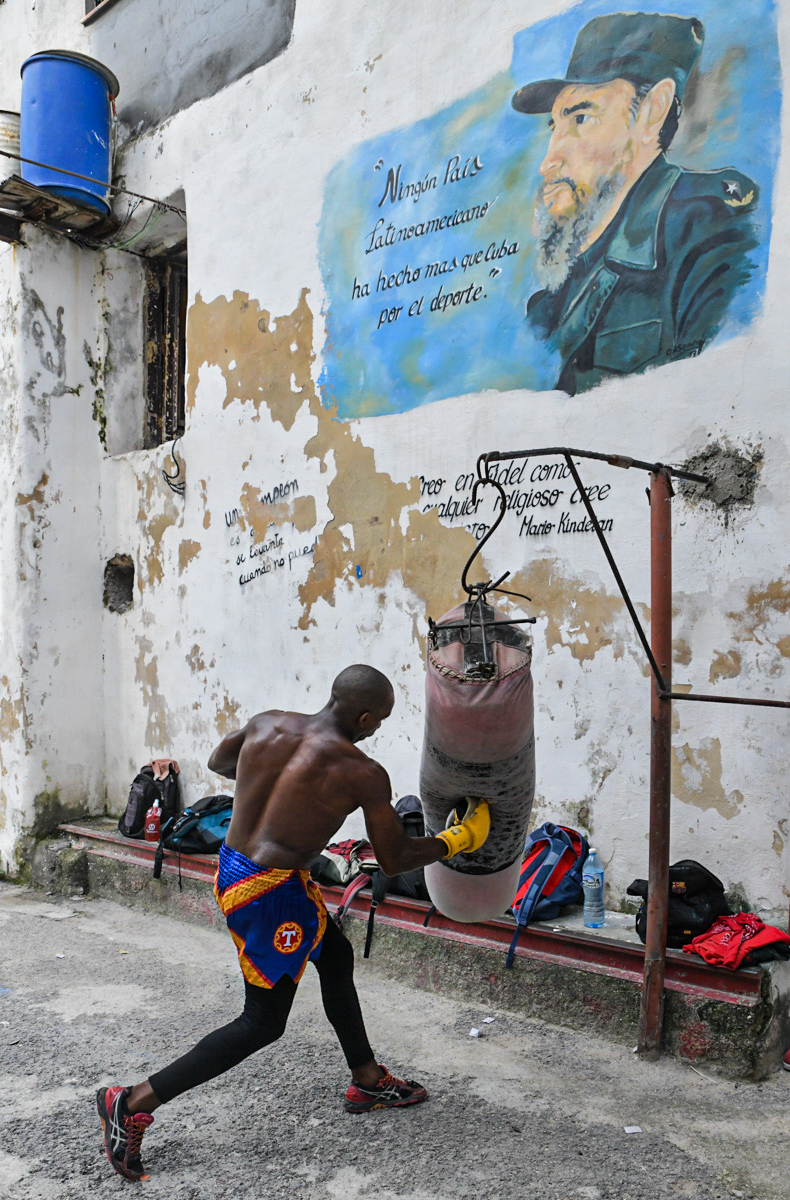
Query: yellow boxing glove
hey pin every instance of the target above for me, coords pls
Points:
(467, 833)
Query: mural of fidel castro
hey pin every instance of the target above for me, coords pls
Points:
(638, 258)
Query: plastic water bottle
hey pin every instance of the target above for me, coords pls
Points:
(153, 821)
(592, 882)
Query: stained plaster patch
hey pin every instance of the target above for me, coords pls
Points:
(578, 617)
(762, 604)
(35, 497)
(226, 718)
(13, 716)
(725, 665)
(258, 516)
(204, 498)
(195, 660)
(156, 513)
(186, 552)
(147, 675)
(697, 778)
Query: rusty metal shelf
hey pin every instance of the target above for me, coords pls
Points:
(21, 201)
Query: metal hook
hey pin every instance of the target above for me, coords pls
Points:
(481, 481)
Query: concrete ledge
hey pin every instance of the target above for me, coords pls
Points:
(737, 1022)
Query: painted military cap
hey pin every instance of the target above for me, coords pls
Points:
(642, 46)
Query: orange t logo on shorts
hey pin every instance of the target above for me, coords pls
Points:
(288, 937)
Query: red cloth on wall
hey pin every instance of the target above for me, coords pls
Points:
(730, 939)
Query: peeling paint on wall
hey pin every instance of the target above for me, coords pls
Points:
(726, 665)
(681, 652)
(204, 498)
(578, 617)
(258, 356)
(34, 497)
(696, 778)
(196, 661)
(147, 675)
(762, 604)
(226, 718)
(266, 360)
(13, 717)
(363, 544)
(186, 552)
(258, 516)
(157, 512)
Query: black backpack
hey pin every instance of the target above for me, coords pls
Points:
(199, 829)
(410, 883)
(144, 791)
(696, 899)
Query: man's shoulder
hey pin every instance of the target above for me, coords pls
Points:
(368, 775)
(726, 191)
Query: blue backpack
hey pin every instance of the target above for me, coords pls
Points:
(550, 878)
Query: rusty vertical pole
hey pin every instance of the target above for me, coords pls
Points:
(651, 1016)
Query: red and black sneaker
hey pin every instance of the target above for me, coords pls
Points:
(389, 1092)
(123, 1132)
(786, 1061)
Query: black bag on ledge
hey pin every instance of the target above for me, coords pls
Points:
(146, 790)
(199, 829)
(696, 899)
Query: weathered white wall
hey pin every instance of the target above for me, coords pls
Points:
(199, 653)
(52, 728)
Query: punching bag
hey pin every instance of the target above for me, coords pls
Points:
(479, 742)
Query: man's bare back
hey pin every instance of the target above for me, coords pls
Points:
(298, 777)
(297, 781)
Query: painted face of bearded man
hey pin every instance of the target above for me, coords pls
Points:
(594, 143)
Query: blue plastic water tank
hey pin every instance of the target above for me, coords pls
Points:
(65, 122)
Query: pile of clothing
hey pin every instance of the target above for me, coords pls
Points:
(740, 940)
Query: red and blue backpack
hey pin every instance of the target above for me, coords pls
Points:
(550, 878)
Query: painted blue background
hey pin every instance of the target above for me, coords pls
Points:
(732, 119)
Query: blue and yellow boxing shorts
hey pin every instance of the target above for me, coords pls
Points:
(276, 918)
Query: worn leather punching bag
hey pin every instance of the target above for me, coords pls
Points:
(479, 742)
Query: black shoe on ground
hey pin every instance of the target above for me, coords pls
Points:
(123, 1132)
(389, 1092)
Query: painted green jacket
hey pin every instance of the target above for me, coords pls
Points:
(657, 284)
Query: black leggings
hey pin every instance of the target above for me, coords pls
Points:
(265, 1017)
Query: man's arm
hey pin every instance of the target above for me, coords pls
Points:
(396, 851)
(224, 758)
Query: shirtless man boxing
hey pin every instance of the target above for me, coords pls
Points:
(297, 779)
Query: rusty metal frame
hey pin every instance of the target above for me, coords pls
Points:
(659, 654)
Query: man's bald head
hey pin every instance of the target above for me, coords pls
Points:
(363, 698)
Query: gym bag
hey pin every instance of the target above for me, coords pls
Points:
(145, 790)
(696, 899)
(199, 829)
(550, 878)
(339, 862)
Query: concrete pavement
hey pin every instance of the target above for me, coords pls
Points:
(94, 993)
